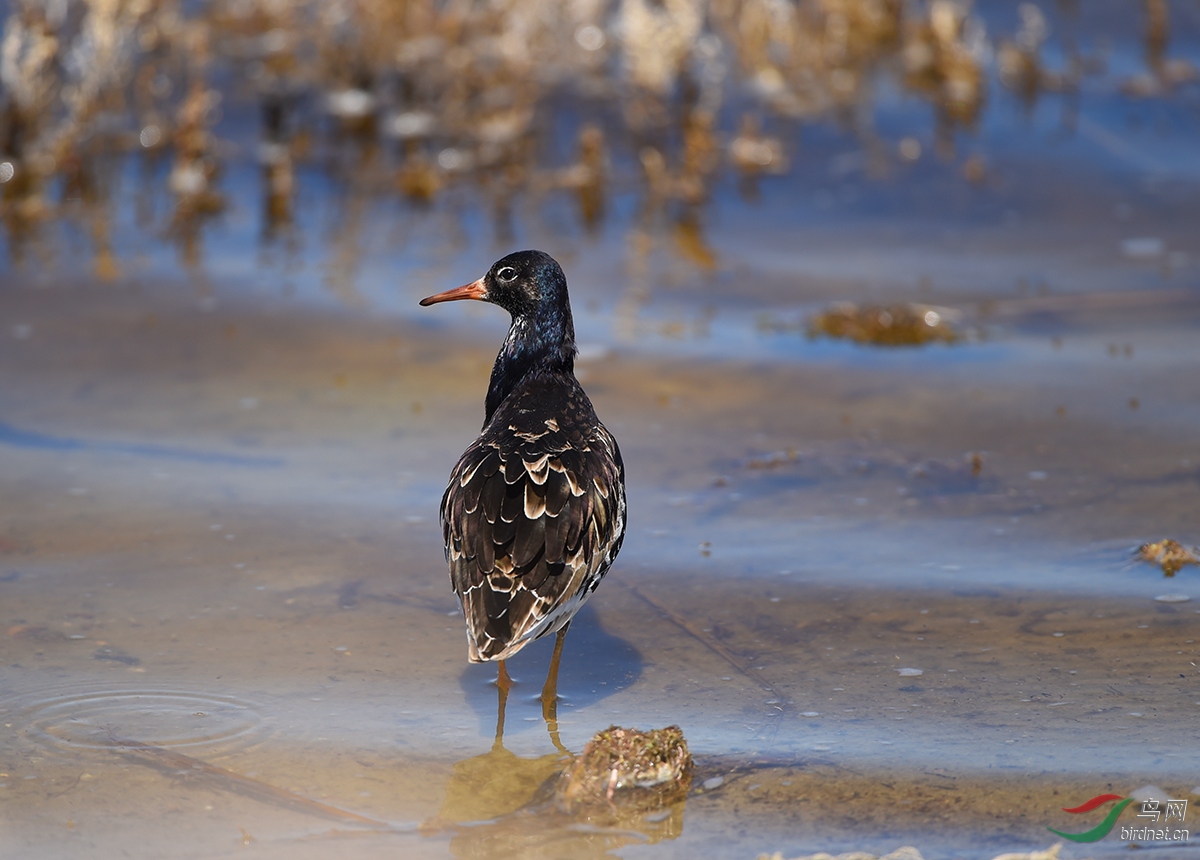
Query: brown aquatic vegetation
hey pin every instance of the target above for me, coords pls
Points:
(754, 153)
(1162, 73)
(1168, 554)
(588, 175)
(943, 59)
(628, 770)
(1019, 59)
(419, 98)
(893, 325)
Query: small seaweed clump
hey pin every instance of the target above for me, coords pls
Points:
(773, 460)
(627, 770)
(893, 325)
(1168, 554)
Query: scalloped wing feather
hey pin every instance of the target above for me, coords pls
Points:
(532, 519)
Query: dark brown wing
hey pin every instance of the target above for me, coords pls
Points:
(533, 517)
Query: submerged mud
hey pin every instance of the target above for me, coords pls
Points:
(225, 607)
(925, 595)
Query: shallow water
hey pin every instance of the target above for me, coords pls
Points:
(888, 594)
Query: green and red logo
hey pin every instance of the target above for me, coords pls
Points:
(1100, 830)
(1152, 809)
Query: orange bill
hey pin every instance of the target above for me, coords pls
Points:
(473, 290)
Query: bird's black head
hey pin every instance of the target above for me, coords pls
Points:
(525, 283)
(531, 286)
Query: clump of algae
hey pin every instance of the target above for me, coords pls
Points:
(1168, 554)
(629, 770)
(891, 325)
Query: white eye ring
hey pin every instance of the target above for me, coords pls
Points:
(508, 274)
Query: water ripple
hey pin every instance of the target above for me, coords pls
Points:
(162, 718)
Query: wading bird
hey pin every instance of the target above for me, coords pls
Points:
(534, 513)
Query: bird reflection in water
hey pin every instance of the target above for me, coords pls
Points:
(500, 804)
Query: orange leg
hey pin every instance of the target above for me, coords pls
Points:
(550, 691)
(503, 685)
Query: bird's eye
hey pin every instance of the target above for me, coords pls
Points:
(508, 274)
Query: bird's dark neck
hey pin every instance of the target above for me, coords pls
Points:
(539, 342)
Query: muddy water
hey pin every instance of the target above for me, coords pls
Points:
(228, 628)
(888, 594)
